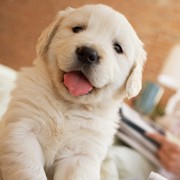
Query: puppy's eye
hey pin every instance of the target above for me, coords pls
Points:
(118, 48)
(77, 29)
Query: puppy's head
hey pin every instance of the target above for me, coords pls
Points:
(92, 53)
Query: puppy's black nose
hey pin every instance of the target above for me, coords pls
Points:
(87, 55)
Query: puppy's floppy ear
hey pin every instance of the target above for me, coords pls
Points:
(134, 81)
(47, 35)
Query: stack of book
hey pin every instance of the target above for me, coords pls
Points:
(133, 130)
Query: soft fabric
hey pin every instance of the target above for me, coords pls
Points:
(125, 163)
(7, 83)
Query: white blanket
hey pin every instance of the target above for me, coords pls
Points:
(7, 83)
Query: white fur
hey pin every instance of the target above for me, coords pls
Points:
(48, 133)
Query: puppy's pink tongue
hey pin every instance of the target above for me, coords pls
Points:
(77, 83)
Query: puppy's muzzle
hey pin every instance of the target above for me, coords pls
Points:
(87, 55)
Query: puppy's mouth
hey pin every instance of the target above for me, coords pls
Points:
(77, 83)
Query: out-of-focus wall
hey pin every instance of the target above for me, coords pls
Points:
(157, 22)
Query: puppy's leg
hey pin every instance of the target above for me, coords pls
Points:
(77, 167)
(21, 157)
(80, 161)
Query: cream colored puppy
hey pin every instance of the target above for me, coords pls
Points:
(64, 110)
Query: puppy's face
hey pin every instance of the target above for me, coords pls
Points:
(92, 53)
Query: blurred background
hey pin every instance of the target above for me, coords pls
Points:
(157, 22)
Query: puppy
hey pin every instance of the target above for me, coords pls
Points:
(64, 110)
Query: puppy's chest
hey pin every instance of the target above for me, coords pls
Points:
(74, 122)
(80, 119)
(78, 123)
(77, 120)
